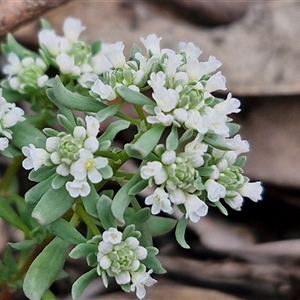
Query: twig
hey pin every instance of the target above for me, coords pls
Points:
(15, 13)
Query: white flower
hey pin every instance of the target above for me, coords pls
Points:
(194, 69)
(105, 91)
(195, 121)
(215, 82)
(252, 190)
(160, 118)
(112, 236)
(180, 115)
(228, 106)
(14, 66)
(92, 126)
(78, 188)
(155, 170)
(88, 166)
(66, 64)
(157, 79)
(211, 65)
(171, 64)
(196, 150)
(50, 41)
(238, 145)
(235, 202)
(168, 157)
(215, 190)
(189, 49)
(166, 99)
(35, 157)
(72, 28)
(177, 196)
(195, 207)
(139, 281)
(159, 201)
(3, 143)
(114, 53)
(152, 44)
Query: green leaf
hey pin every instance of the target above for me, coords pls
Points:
(221, 208)
(13, 46)
(151, 262)
(186, 135)
(8, 214)
(160, 225)
(36, 192)
(172, 139)
(72, 100)
(96, 47)
(240, 162)
(45, 24)
(122, 198)
(106, 217)
(64, 230)
(42, 173)
(45, 269)
(53, 204)
(133, 97)
(113, 129)
(90, 202)
(233, 128)
(180, 232)
(138, 187)
(24, 134)
(82, 282)
(205, 171)
(23, 245)
(109, 111)
(82, 250)
(141, 215)
(59, 181)
(146, 143)
(216, 144)
(64, 121)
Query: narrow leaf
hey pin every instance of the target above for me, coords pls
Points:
(172, 139)
(45, 268)
(82, 282)
(180, 232)
(109, 111)
(104, 212)
(160, 225)
(113, 129)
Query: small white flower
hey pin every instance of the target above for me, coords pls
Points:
(157, 79)
(67, 65)
(35, 157)
(166, 99)
(228, 106)
(78, 188)
(105, 91)
(215, 190)
(171, 64)
(215, 82)
(160, 118)
(112, 235)
(211, 65)
(168, 157)
(88, 166)
(114, 53)
(180, 115)
(155, 170)
(235, 202)
(152, 44)
(50, 41)
(159, 201)
(139, 281)
(3, 143)
(252, 190)
(196, 150)
(195, 208)
(72, 28)
(194, 70)
(189, 49)
(195, 121)
(92, 126)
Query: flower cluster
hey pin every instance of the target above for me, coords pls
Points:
(74, 154)
(187, 150)
(10, 115)
(120, 257)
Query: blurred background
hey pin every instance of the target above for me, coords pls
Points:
(255, 253)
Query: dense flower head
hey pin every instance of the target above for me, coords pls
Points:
(10, 115)
(73, 154)
(120, 257)
(26, 74)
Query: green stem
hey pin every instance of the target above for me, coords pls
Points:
(86, 218)
(10, 173)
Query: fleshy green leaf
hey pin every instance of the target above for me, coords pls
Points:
(23, 245)
(216, 144)
(233, 128)
(82, 250)
(53, 204)
(172, 139)
(138, 187)
(180, 232)
(96, 47)
(104, 212)
(240, 162)
(146, 143)
(113, 129)
(64, 230)
(109, 111)
(82, 282)
(122, 198)
(221, 208)
(45, 269)
(42, 173)
(205, 171)
(90, 202)
(64, 121)
(74, 101)
(133, 97)
(160, 225)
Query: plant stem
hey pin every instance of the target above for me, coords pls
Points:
(10, 173)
